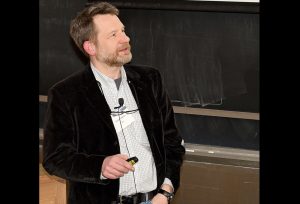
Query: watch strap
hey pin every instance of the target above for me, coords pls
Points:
(166, 193)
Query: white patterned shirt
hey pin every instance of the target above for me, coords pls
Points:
(134, 142)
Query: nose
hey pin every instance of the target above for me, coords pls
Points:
(125, 38)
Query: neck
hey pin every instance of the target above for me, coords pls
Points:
(113, 72)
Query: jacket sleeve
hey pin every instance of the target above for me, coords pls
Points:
(60, 157)
(174, 151)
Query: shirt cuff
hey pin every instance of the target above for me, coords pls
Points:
(102, 177)
(169, 182)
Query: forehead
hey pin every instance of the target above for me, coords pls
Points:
(107, 23)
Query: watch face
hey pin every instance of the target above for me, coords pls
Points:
(167, 194)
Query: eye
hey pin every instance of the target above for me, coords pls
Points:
(112, 35)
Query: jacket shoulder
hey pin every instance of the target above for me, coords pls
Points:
(142, 69)
(69, 84)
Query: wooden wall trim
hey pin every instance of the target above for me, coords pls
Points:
(201, 111)
(217, 113)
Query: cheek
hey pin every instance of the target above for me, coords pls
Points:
(110, 48)
(107, 47)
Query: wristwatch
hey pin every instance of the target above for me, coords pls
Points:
(167, 194)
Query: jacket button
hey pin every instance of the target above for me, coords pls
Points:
(115, 143)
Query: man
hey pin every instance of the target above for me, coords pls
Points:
(100, 117)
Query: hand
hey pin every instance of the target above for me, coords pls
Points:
(116, 166)
(159, 199)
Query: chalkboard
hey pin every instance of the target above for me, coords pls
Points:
(207, 59)
(219, 131)
(57, 56)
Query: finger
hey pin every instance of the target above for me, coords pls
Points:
(123, 164)
(129, 166)
(110, 176)
(121, 161)
(121, 167)
(114, 172)
(122, 156)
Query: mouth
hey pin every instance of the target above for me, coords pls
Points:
(125, 50)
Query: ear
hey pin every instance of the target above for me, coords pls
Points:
(89, 47)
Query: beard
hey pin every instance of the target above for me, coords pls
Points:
(115, 59)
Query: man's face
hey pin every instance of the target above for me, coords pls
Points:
(112, 44)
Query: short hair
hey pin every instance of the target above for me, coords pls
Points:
(82, 26)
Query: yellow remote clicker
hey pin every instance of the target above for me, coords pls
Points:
(132, 160)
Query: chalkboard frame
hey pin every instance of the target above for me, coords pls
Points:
(214, 6)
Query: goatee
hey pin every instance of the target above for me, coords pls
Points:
(115, 61)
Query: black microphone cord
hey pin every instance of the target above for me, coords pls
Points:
(126, 142)
(121, 103)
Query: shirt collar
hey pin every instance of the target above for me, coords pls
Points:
(103, 79)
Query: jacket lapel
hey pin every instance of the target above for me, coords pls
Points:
(147, 108)
(96, 99)
(141, 95)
